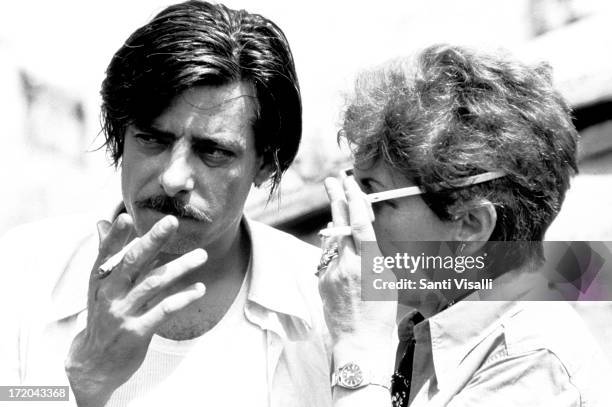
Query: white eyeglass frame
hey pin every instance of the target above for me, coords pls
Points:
(416, 190)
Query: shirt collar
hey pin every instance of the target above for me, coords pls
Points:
(277, 265)
(456, 331)
(274, 283)
(69, 295)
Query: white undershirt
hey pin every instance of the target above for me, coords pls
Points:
(224, 367)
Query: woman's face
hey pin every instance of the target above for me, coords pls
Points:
(402, 219)
(406, 219)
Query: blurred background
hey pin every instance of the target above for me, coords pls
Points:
(53, 56)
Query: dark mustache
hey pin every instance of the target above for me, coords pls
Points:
(173, 206)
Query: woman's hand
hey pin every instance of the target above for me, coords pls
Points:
(362, 331)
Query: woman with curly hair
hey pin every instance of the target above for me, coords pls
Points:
(454, 145)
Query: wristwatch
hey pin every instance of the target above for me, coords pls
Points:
(351, 376)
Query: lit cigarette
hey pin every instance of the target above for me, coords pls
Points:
(336, 231)
(115, 259)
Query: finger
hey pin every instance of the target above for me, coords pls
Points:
(339, 210)
(112, 239)
(117, 236)
(144, 252)
(364, 196)
(104, 228)
(368, 205)
(359, 216)
(164, 277)
(170, 305)
(337, 201)
(325, 239)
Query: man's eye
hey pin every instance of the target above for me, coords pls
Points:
(150, 140)
(216, 156)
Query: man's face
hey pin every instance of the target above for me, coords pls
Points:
(197, 160)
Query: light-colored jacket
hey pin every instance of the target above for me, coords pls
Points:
(43, 296)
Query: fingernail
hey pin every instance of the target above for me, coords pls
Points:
(169, 221)
(349, 184)
(122, 221)
(327, 182)
(200, 287)
(200, 255)
(100, 230)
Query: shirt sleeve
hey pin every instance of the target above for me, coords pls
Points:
(537, 378)
(20, 294)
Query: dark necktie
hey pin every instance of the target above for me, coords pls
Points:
(400, 382)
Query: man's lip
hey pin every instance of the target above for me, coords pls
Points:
(162, 214)
(142, 208)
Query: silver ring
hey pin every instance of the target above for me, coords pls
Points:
(329, 254)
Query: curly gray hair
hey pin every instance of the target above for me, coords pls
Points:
(450, 112)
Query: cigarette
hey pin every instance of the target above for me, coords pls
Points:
(336, 231)
(115, 259)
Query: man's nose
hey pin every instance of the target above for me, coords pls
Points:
(177, 177)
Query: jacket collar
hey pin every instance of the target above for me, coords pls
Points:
(274, 284)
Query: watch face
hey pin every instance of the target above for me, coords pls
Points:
(351, 375)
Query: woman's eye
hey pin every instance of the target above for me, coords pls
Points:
(379, 206)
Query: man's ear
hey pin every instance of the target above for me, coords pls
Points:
(264, 171)
(475, 224)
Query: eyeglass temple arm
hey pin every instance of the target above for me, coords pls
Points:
(415, 190)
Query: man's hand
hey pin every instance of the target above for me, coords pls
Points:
(126, 307)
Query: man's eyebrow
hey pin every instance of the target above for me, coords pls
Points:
(196, 141)
(155, 132)
(206, 142)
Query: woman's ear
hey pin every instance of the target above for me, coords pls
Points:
(475, 224)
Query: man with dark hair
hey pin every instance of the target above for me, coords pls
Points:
(216, 46)
(186, 299)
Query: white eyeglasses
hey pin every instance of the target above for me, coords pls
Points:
(416, 190)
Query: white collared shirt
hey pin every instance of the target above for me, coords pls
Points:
(508, 353)
(43, 291)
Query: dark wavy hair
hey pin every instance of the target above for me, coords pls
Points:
(449, 112)
(198, 43)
